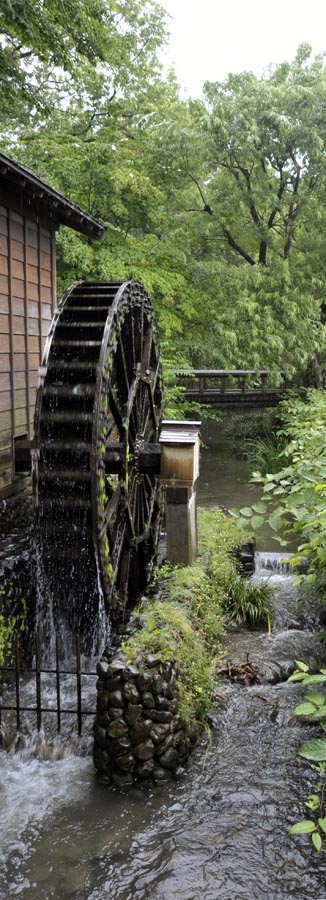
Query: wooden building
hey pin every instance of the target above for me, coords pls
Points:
(30, 214)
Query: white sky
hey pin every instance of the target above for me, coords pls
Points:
(209, 38)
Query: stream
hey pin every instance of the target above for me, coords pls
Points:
(217, 833)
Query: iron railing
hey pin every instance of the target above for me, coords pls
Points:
(19, 672)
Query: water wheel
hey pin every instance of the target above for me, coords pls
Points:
(97, 412)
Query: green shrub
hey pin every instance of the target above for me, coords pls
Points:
(247, 602)
(187, 626)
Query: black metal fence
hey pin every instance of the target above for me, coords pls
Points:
(18, 675)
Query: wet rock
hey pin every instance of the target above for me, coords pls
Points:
(163, 716)
(103, 699)
(113, 683)
(125, 763)
(164, 745)
(160, 775)
(115, 712)
(120, 746)
(167, 671)
(130, 692)
(103, 718)
(145, 750)
(159, 733)
(162, 702)
(116, 698)
(130, 673)
(117, 728)
(144, 681)
(178, 739)
(133, 713)
(102, 668)
(144, 769)
(141, 731)
(101, 736)
(145, 734)
(148, 700)
(157, 684)
(121, 780)
(170, 759)
(117, 665)
(101, 759)
(152, 660)
(179, 723)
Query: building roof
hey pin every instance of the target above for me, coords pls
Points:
(48, 202)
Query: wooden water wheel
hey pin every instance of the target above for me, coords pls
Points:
(97, 416)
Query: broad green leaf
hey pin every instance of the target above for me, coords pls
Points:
(320, 713)
(314, 750)
(322, 824)
(315, 679)
(246, 511)
(317, 841)
(306, 826)
(313, 801)
(234, 512)
(301, 665)
(315, 697)
(297, 676)
(259, 507)
(276, 520)
(304, 709)
(257, 521)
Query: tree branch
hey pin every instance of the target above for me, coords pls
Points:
(206, 207)
(232, 243)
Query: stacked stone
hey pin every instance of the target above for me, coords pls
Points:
(138, 733)
(16, 514)
(245, 556)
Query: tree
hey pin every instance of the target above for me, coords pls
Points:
(47, 46)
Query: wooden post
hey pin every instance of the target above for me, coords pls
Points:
(179, 472)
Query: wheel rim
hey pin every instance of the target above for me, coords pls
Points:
(99, 401)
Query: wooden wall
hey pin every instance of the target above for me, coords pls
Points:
(27, 300)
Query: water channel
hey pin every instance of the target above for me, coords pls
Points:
(217, 833)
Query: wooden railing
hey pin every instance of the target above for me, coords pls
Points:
(233, 386)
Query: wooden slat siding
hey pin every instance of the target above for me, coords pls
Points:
(5, 440)
(5, 400)
(27, 346)
(5, 363)
(39, 238)
(4, 303)
(27, 303)
(6, 467)
(54, 273)
(4, 324)
(3, 264)
(20, 421)
(12, 421)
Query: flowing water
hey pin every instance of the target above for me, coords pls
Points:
(217, 833)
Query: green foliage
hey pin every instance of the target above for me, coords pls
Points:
(294, 498)
(247, 602)
(251, 426)
(10, 625)
(314, 751)
(266, 455)
(50, 49)
(256, 439)
(188, 625)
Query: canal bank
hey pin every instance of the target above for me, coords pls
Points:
(220, 833)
